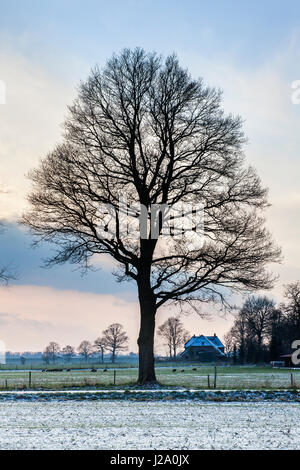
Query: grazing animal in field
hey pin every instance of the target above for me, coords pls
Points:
(194, 369)
(54, 370)
(174, 370)
(104, 370)
(68, 370)
(93, 370)
(182, 370)
(43, 370)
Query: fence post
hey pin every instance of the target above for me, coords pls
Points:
(215, 378)
(29, 380)
(115, 373)
(292, 381)
(208, 382)
(6, 386)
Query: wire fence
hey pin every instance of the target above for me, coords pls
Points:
(176, 377)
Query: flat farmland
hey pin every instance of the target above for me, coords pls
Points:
(148, 425)
(184, 377)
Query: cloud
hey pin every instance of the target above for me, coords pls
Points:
(16, 251)
(104, 261)
(7, 320)
(33, 316)
(30, 124)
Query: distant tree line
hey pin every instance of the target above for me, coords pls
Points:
(263, 331)
(113, 339)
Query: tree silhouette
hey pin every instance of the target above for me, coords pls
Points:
(85, 349)
(115, 339)
(144, 130)
(174, 334)
(52, 351)
(68, 352)
(258, 313)
(100, 347)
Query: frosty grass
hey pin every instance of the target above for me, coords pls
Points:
(148, 425)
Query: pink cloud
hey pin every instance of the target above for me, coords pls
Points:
(31, 316)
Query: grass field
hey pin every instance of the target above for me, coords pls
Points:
(196, 377)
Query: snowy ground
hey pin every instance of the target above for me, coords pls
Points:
(148, 425)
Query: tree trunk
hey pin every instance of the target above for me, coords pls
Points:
(146, 336)
(170, 352)
(258, 352)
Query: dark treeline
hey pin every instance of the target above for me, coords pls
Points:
(113, 340)
(262, 330)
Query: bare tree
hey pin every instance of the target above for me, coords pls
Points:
(258, 313)
(144, 130)
(252, 328)
(229, 342)
(292, 305)
(237, 336)
(100, 347)
(52, 351)
(174, 334)
(85, 349)
(115, 339)
(68, 352)
(290, 324)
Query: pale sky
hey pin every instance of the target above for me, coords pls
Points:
(249, 49)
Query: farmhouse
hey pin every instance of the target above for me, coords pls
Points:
(203, 348)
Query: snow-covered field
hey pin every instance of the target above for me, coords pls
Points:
(148, 425)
